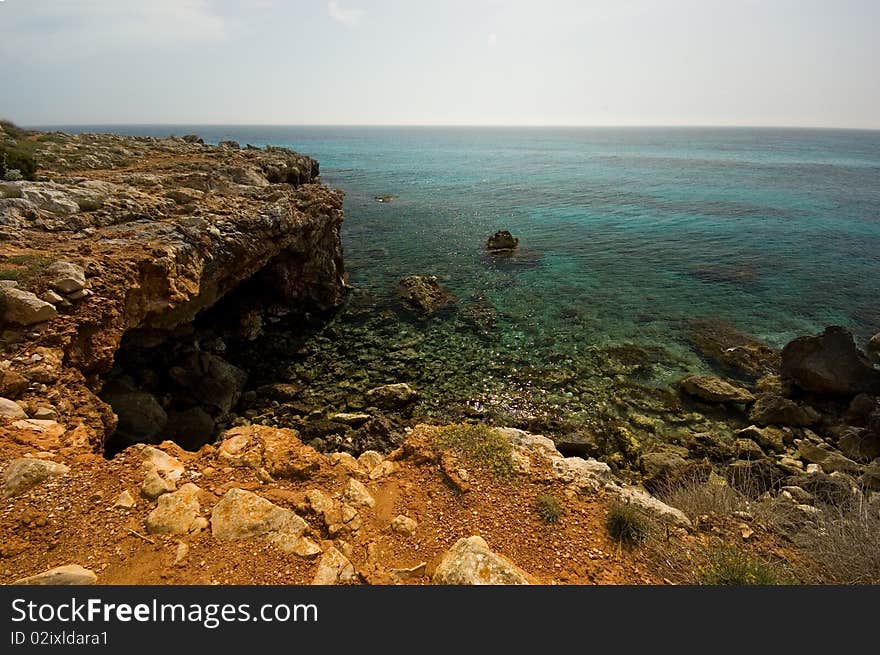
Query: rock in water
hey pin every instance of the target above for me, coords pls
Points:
(715, 390)
(502, 241)
(470, 562)
(70, 574)
(23, 307)
(829, 363)
(27, 472)
(423, 295)
(392, 396)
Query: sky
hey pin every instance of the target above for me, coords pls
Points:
(441, 62)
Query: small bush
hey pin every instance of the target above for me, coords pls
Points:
(697, 498)
(22, 267)
(627, 524)
(478, 444)
(13, 130)
(17, 158)
(847, 549)
(549, 509)
(730, 566)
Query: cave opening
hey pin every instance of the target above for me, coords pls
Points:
(185, 383)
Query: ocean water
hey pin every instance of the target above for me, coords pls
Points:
(626, 235)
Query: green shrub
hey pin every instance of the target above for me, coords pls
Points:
(730, 566)
(479, 445)
(13, 130)
(548, 508)
(17, 158)
(22, 267)
(627, 524)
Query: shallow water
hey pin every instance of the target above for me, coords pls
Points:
(625, 234)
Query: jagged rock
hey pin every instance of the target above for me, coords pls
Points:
(229, 143)
(411, 573)
(66, 277)
(829, 363)
(664, 465)
(193, 138)
(370, 460)
(769, 437)
(358, 495)
(11, 409)
(125, 500)
(404, 525)
(154, 485)
(859, 443)
(776, 410)
(799, 494)
(502, 241)
(176, 512)
(49, 197)
(278, 450)
(243, 514)
(24, 473)
(248, 176)
(158, 460)
(385, 468)
(715, 390)
(24, 308)
(141, 418)
(45, 414)
(650, 505)
(392, 396)
(190, 428)
(586, 475)
(69, 574)
(829, 460)
(747, 449)
(577, 444)
(334, 568)
(12, 384)
(470, 562)
(423, 295)
(211, 380)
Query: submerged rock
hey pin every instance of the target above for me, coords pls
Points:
(715, 390)
(423, 295)
(829, 363)
(723, 343)
(392, 396)
(873, 347)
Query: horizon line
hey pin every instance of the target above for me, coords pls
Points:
(463, 125)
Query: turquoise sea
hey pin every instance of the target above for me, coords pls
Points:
(626, 234)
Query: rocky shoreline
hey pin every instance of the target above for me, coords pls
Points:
(159, 290)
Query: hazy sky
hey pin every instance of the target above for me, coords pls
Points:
(509, 62)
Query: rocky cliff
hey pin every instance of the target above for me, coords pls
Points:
(138, 236)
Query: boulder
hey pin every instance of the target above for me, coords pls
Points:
(27, 472)
(830, 364)
(665, 465)
(278, 450)
(829, 460)
(243, 514)
(470, 562)
(770, 409)
(69, 574)
(502, 241)
(24, 308)
(357, 495)
(211, 380)
(652, 506)
(141, 417)
(175, 513)
(423, 295)
(66, 277)
(392, 396)
(154, 485)
(12, 384)
(334, 568)
(715, 390)
(404, 525)
(769, 437)
(11, 409)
